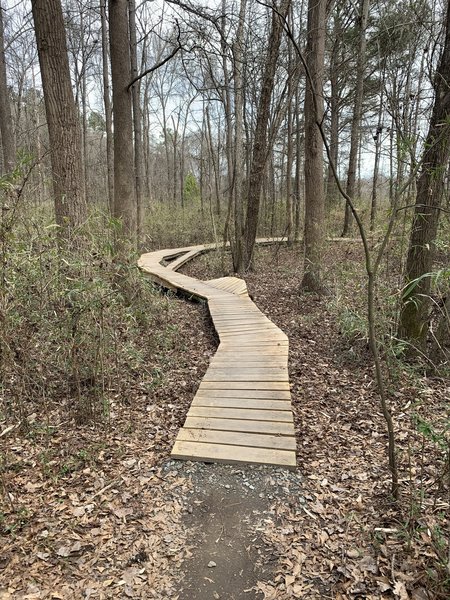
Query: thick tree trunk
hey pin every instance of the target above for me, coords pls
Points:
(414, 317)
(124, 181)
(314, 189)
(259, 154)
(357, 113)
(62, 117)
(6, 125)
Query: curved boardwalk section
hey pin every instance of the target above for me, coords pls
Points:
(242, 410)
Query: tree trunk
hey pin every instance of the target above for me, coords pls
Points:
(298, 167)
(108, 108)
(414, 318)
(137, 124)
(124, 181)
(332, 190)
(314, 188)
(6, 126)
(62, 117)
(238, 170)
(377, 138)
(357, 113)
(259, 155)
(290, 145)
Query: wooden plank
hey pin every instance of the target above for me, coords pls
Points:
(239, 425)
(209, 392)
(258, 403)
(251, 414)
(252, 369)
(255, 375)
(276, 351)
(233, 454)
(184, 258)
(245, 385)
(232, 363)
(242, 356)
(267, 349)
(259, 328)
(240, 321)
(234, 438)
(270, 335)
(257, 345)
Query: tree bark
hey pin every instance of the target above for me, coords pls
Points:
(357, 112)
(376, 167)
(298, 167)
(314, 185)
(124, 182)
(108, 108)
(414, 317)
(238, 175)
(332, 191)
(259, 155)
(6, 124)
(137, 123)
(62, 117)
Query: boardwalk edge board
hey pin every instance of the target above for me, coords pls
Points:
(242, 411)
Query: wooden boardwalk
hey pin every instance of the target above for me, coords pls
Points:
(242, 410)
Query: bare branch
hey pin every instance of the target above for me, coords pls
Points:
(162, 62)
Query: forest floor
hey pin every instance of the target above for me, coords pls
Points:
(101, 512)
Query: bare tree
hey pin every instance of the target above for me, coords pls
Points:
(137, 122)
(357, 110)
(414, 318)
(6, 124)
(238, 171)
(108, 107)
(62, 118)
(259, 154)
(314, 186)
(124, 181)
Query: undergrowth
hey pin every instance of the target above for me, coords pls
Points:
(77, 328)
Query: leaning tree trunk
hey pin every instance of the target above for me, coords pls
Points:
(259, 155)
(62, 117)
(6, 126)
(414, 317)
(314, 188)
(124, 181)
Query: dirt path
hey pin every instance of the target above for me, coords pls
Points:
(229, 511)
